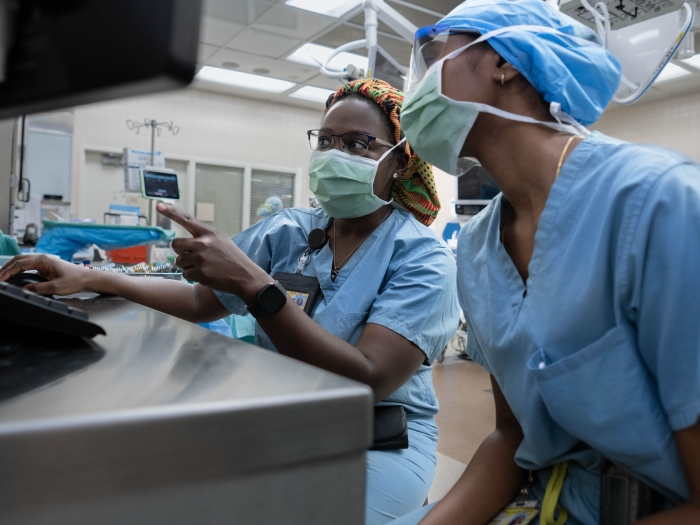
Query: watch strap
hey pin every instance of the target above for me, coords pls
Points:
(257, 309)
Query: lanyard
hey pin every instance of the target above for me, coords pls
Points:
(551, 497)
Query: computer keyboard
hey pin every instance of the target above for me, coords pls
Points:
(29, 309)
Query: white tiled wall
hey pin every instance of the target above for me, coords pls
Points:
(672, 123)
(212, 126)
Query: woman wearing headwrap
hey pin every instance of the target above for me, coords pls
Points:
(579, 282)
(388, 304)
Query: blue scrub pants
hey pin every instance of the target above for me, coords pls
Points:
(414, 517)
(398, 481)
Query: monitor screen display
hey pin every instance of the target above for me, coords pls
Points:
(63, 53)
(160, 185)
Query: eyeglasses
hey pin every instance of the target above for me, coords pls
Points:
(352, 143)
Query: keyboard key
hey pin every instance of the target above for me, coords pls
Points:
(78, 313)
(58, 305)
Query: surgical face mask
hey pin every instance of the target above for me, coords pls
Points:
(437, 126)
(344, 184)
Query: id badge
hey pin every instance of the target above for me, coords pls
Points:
(517, 513)
(304, 290)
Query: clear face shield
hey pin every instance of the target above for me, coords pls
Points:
(428, 46)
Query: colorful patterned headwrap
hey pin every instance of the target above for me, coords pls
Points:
(415, 190)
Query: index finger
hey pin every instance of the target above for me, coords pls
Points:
(18, 264)
(185, 220)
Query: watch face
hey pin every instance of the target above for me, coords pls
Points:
(272, 298)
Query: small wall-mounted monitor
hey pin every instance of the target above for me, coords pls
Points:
(159, 183)
(475, 189)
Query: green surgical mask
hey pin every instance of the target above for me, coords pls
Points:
(437, 126)
(344, 184)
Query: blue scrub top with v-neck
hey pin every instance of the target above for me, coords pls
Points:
(598, 353)
(402, 277)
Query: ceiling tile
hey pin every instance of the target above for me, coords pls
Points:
(205, 51)
(290, 21)
(324, 82)
(263, 43)
(680, 86)
(398, 49)
(217, 32)
(418, 18)
(242, 61)
(439, 6)
(340, 35)
(238, 11)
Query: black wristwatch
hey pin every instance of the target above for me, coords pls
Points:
(268, 301)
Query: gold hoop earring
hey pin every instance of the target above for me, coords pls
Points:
(503, 80)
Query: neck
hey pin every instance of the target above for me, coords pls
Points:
(522, 159)
(361, 226)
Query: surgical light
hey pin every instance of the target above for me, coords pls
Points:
(244, 80)
(671, 72)
(312, 93)
(315, 54)
(333, 8)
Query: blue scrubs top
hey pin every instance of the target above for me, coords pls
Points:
(598, 354)
(402, 277)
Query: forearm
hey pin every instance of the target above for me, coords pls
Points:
(175, 298)
(296, 335)
(489, 483)
(684, 514)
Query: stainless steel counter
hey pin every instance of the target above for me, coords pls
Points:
(162, 421)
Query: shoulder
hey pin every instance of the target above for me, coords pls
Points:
(622, 169)
(289, 220)
(413, 240)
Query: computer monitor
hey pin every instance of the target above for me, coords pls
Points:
(159, 183)
(475, 189)
(62, 53)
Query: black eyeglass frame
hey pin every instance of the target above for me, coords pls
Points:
(370, 139)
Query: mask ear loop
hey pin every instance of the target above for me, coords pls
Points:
(390, 150)
(394, 178)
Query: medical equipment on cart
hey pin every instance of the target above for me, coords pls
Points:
(65, 238)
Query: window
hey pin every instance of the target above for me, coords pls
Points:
(219, 197)
(269, 184)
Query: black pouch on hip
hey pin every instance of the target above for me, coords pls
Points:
(624, 499)
(390, 428)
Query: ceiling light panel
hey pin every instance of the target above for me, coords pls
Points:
(243, 80)
(247, 63)
(217, 32)
(312, 93)
(314, 54)
(333, 8)
(671, 72)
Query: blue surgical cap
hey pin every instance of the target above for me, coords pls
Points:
(582, 77)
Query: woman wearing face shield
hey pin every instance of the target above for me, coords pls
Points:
(579, 282)
(388, 304)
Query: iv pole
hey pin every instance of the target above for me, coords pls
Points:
(156, 127)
